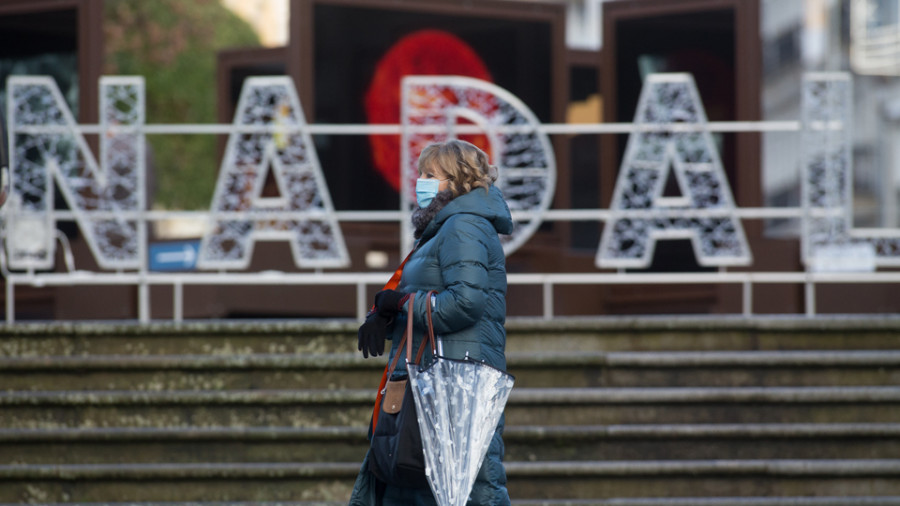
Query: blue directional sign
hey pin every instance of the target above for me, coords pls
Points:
(174, 256)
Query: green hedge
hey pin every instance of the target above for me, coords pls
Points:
(173, 44)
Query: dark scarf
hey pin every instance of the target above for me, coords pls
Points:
(421, 217)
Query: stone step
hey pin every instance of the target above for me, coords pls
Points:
(219, 503)
(702, 441)
(688, 333)
(647, 501)
(685, 478)
(198, 338)
(527, 406)
(706, 368)
(527, 480)
(714, 501)
(525, 335)
(644, 501)
(211, 503)
(191, 372)
(642, 411)
(350, 370)
(183, 445)
(524, 443)
(676, 501)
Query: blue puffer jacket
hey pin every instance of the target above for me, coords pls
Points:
(460, 256)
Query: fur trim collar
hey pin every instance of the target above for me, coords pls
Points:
(422, 217)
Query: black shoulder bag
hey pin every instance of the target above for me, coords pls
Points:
(396, 457)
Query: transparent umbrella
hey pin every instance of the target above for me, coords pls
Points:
(458, 405)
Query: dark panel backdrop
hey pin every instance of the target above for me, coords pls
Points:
(350, 40)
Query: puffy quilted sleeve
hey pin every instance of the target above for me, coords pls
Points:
(463, 259)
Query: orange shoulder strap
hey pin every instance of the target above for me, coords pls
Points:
(391, 284)
(395, 278)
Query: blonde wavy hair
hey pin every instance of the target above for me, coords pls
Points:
(464, 163)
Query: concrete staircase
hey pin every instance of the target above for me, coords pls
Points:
(614, 412)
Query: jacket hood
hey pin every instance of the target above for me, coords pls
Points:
(489, 205)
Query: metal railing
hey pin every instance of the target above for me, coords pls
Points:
(548, 282)
(362, 280)
(143, 278)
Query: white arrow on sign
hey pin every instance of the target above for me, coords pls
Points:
(187, 256)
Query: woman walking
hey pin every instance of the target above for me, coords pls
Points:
(457, 254)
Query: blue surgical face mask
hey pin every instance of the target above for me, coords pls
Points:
(426, 190)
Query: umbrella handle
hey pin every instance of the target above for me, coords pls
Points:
(439, 344)
(407, 336)
(429, 304)
(429, 334)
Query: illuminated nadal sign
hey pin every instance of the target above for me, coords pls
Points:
(827, 184)
(666, 101)
(307, 219)
(45, 146)
(107, 196)
(524, 155)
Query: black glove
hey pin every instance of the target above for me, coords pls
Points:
(388, 302)
(372, 333)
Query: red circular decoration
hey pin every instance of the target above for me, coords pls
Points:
(425, 52)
